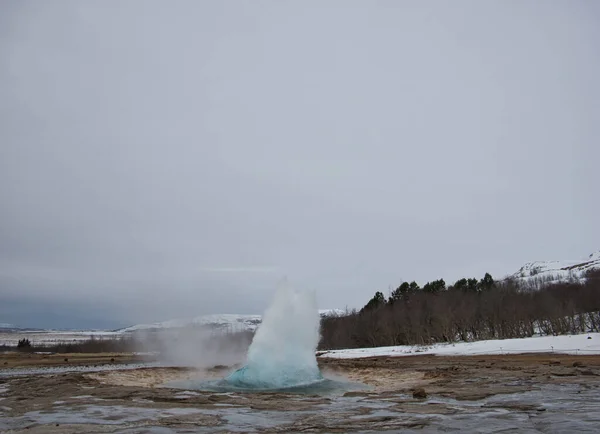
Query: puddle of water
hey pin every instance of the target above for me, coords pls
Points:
(94, 414)
(142, 401)
(87, 398)
(377, 413)
(324, 387)
(3, 390)
(185, 394)
(157, 430)
(247, 420)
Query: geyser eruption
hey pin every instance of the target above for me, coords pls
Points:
(282, 353)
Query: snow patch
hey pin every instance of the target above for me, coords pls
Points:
(588, 343)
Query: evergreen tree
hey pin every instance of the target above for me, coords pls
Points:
(377, 301)
(435, 286)
(472, 285)
(413, 287)
(460, 285)
(24, 344)
(486, 283)
(400, 293)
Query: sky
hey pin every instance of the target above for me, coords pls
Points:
(170, 159)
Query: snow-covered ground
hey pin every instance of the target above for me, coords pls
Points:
(588, 343)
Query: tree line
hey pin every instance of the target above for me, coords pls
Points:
(470, 309)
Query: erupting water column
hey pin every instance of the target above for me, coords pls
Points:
(282, 353)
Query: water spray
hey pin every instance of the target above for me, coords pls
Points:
(282, 353)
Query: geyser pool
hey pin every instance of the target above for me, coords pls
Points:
(325, 386)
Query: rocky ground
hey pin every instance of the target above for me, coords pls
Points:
(528, 393)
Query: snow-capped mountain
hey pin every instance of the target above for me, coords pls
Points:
(331, 312)
(6, 326)
(557, 271)
(224, 322)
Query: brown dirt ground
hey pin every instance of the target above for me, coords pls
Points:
(14, 359)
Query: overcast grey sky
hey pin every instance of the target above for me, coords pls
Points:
(165, 159)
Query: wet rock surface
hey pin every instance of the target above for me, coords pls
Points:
(498, 393)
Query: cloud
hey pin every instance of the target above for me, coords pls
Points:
(257, 269)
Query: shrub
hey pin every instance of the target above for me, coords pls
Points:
(24, 344)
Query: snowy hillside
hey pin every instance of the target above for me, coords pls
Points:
(224, 322)
(557, 271)
(331, 312)
(584, 344)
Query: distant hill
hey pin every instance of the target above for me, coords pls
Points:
(557, 271)
(225, 322)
